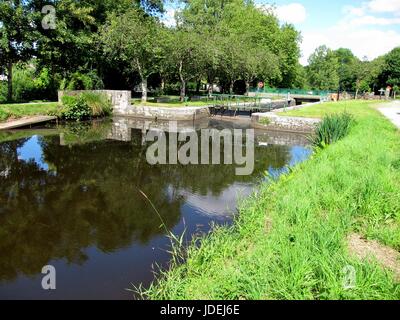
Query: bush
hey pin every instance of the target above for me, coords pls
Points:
(85, 106)
(331, 129)
(3, 91)
(75, 108)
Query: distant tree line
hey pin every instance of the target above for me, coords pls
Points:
(341, 70)
(120, 44)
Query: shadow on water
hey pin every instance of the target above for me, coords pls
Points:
(69, 197)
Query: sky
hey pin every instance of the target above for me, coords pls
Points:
(369, 28)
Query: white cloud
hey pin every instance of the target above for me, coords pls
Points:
(354, 11)
(371, 20)
(370, 43)
(292, 13)
(379, 6)
(369, 30)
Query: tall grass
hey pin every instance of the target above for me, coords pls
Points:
(99, 103)
(289, 241)
(332, 128)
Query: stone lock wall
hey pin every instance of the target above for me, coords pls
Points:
(272, 121)
(120, 100)
(160, 113)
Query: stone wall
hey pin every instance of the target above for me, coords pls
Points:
(120, 100)
(159, 113)
(283, 138)
(272, 121)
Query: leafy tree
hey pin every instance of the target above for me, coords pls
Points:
(185, 55)
(323, 69)
(391, 68)
(347, 71)
(134, 38)
(16, 37)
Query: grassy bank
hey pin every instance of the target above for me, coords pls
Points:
(13, 111)
(290, 239)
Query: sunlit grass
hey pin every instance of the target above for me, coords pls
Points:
(289, 241)
(20, 110)
(358, 108)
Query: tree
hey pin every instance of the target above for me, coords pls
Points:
(16, 37)
(323, 69)
(391, 67)
(134, 38)
(184, 54)
(347, 71)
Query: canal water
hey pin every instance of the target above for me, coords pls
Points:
(72, 196)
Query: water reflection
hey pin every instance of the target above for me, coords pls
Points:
(70, 196)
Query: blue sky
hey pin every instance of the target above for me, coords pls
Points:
(369, 28)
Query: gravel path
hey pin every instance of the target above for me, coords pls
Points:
(392, 112)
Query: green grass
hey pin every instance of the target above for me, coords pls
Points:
(358, 108)
(289, 241)
(8, 111)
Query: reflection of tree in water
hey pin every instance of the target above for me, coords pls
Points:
(92, 199)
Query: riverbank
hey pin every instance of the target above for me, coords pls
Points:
(294, 239)
(16, 111)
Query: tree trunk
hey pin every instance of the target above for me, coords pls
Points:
(357, 86)
(144, 90)
(247, 87)
(183, 82)
(162, 85)
(183, 90)
(198, 85)
(231, 87)
(210, 89)
(9, 81)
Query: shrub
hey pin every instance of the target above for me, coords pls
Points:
(85, 106)
(75, 108)
(331, 129)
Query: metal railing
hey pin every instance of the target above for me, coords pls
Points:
(227, 102)
(284, 91)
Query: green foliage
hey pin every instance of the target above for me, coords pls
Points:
(83, 81)
(3, 91)
(17, 34)
(332, 128)
(323, 69)
(85, 106)
(134, 39)
(391, 69)
(75, 109)
(99, 104)
(24, 87)
(347, 69)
